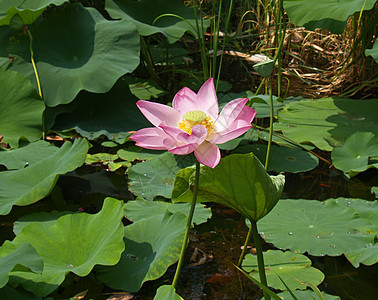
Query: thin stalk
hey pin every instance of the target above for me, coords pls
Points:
(270, 125)
(215, 39)
(37, 78)
(224, 42)
(260, 257)
(147, 57)
(188, 224)
(201, 42)
(247, 239)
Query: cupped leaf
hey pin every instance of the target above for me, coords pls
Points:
(318, 228)
(27, 10)
(306, 295)
(27, 155)
(327, 14)
(167, 292)
(23, 254)
(156, 177)
(373, 52)
(144, 14)
(239, 182)
(141, 209)
(73, 243)
(264, 68)
(326, 123)
(354, 154)
(113, 114)
(292, 268)
(21, 109)
(151, 246)
(77, 49)
(282, 159)
(28, 185)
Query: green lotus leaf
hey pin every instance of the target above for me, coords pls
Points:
(112, 114)
(24, 255)
(264, 68)
(319, 228)
(366, 255)
(73, 243)
(140, 209)
(373, 52)
(152, 245)
(21, 109)
(27, 10)
(282, 159)
(77, 49)
(292, 268)
(26, 155)
(8, 292)
(326, 123)
(156, 177)
(239, 182)
(327, 14)
(28, 185)
(305, 295)
(354, 154)
(144, 14)
(167, 292)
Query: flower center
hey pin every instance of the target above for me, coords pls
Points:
(196, 117)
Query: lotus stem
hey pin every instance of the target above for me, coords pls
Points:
(188, 224)
(270, 125)
(260, 257)
(36, 77)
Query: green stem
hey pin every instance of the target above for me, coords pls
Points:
(247, 239)
(37, 79)
(270, 126)
(188, 224)
(260, 257)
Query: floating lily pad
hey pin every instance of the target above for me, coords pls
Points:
(113, 114)
(28, 185)
(250, 136)
(282, 159)
(292, 268)
(355, 153)
(319, 228)
(143, 88)
(27, 155)
(77, 49)
(24, 255)
(239, 182)
(144, 14)
(156, 177)
(21, 109)
(132, 153)
(305, 295)
(28, 11)
(140, 209)
(330, 15)
(326, 123)
(167, 292)
(73, 243)
(152, 245)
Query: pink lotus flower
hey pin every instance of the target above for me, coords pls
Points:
(194, 124)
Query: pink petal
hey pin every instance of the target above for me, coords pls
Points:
(208, 154)
(236, 128)
(207, 99)
(150, 138)
(157, 113)
(229, 113)
(181, 142)
(185, 100)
